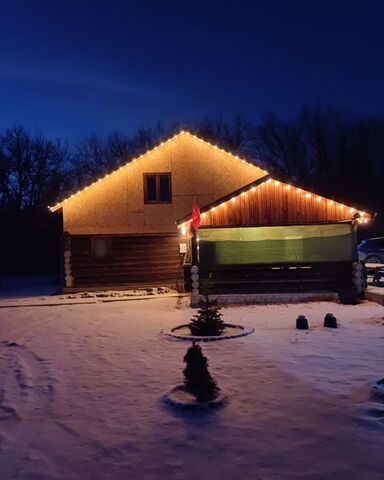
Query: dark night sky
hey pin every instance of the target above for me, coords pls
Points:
(73, 67)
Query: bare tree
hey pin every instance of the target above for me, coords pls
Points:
(235, 135)
(95, 156)
(282, 148)
(325, 150)
(32, 170)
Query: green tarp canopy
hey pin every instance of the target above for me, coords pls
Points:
(272, 245)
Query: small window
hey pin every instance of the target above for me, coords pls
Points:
(157, 188)
(101, 248)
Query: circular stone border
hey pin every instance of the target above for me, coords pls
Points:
(207, 338)
(174, 401)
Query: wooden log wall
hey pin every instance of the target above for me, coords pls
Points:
(135, 261)
(335, 276)
(276, 203)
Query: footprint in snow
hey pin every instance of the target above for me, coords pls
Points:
(7, 413)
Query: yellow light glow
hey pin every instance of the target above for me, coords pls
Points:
(183, 229)
(307, 195)
(365, 220)
(277, 183)
(288, 187)
(233, 199)
(182, 132)
(331, 202)
(269, 180)
(318, 199)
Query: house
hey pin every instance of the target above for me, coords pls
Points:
(131, 227)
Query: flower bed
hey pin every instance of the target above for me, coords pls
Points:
(182, 332)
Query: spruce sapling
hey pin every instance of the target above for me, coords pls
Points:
(198, 380)
(208, 320)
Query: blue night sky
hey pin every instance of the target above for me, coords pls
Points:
(69, 68)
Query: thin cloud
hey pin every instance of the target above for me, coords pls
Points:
(69, 78)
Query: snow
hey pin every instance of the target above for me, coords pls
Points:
(81, 388)
(35, 291)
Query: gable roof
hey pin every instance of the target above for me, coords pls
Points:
(334, 211)
(160, 145)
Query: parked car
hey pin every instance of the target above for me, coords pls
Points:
(371, 250)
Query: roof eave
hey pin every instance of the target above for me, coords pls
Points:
(227, 197)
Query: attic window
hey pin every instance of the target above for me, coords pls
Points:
(157, 188)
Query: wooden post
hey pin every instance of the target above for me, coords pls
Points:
(194, 246)
(195, 268)
(195, 295)
(68, 277)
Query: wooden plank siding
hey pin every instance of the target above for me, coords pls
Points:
(136, 260)
(275, 203)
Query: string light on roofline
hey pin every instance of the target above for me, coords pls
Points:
(308, 195)
(181, 132)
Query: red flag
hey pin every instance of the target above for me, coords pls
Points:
(196, 221)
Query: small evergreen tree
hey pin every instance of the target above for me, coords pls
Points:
(198, 380)
(208, 319)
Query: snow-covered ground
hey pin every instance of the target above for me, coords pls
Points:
(80, 389)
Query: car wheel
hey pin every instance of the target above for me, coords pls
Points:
(374, 259)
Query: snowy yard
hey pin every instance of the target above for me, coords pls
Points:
(80, 389)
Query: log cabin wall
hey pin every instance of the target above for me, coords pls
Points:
(134, 260)
(275, 203)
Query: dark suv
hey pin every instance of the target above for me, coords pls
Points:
(372, 250)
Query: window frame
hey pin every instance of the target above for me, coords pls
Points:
(109, 255)
(157, 176)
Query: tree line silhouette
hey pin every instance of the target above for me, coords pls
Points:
(320, 149)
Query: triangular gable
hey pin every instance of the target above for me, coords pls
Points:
(143, 155)
(267, 201)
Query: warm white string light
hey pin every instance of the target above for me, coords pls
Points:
(182, 132)
(307, 195)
